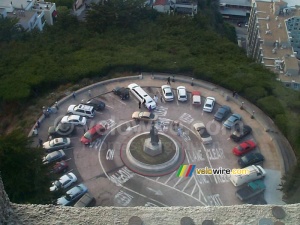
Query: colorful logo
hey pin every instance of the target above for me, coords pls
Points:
(186, 170)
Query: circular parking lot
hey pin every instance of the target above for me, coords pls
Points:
(100, 167)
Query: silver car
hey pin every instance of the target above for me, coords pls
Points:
(56, 143)
(203, 133)
(72, 195)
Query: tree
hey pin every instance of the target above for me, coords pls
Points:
(23, 173)
(9, 30)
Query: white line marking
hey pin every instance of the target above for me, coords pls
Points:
(177, 182)
(186, 184)
(174, 189)
(209, 162)
(117, 99)
(157, 179)
(170, 177)
(109, 106)
(100, 162)
(193, 189)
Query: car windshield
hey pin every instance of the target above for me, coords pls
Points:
(169, 94)
(88, 135)
(240, 148)
(57, 184)
(245, 159)
(207, 105)
(68, 197)
(65, 140)
(203, 133)
(151, 116)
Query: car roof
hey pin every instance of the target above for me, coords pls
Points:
(95, 128)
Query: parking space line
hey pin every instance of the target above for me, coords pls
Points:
(209, 162)
(177, 182)
(170, 177)
(157, 179)
(193, 189)
(186, 185)
(117, 99)
(109, 106)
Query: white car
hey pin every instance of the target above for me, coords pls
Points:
(72, 195)
(56, 143)
(203, 133)
(181, 94)
(209, 104)
(65, 181)
(167, 93)
(74, 119)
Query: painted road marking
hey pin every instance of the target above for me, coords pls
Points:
(209, 162)
(103, 170)
(161, 110)
(156, 192)
(114, 98)
(215, 200)
(110, 154)
(215, 153)
(170, 177)
(123, 198)
(150, 204)
(187, 118)
(109, 106)
(121, 176)
(195, 155)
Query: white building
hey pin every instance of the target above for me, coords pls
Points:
(31, 14)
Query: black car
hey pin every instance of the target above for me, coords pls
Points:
(122, 92)
(222, 113)
(96, 103)
(62, 130)
(240, 133)
(251, 159)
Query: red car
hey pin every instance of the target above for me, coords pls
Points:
(92, 134)
(60, 167)
(244, 147)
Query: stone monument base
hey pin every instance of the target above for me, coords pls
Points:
(152, 150)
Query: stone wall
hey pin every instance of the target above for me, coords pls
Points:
(14, 214)
(7, 215)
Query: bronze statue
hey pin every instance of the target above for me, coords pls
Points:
(154, 135)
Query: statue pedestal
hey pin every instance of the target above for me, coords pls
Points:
(152, 150)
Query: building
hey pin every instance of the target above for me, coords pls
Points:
(235, 9)
(31, 14)
(274, 39)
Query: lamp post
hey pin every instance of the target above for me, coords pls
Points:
(242, 106)
(253, 112)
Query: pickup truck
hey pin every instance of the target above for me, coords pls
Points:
(252, 189)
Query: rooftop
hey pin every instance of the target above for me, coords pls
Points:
(273, 32)
(236, 2)
(19, 4)
(23, 15)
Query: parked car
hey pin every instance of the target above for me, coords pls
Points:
(240, 133)
(181, 94)
(244, 148)
(92, 134)
(82, 110)
(203, 133)
(147, 116)
(56, 143)
(222, 113)
(74, 119)
(255, 173)
(54, 156)
(96, 103)
(60, 167)
(63, 182)
(196, 98)
(61, 130)
(122, 92)
(252, 158)
(72, 195)
(209, 104)
(167, 93)
(232, 121)
(252, 189)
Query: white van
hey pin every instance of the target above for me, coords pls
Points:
(142, 96)
(256, 172)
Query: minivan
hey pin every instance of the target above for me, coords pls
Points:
(256, 172)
